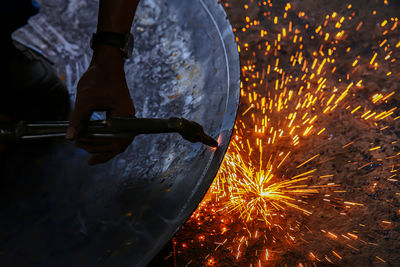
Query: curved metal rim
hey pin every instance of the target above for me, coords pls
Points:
(220, 20)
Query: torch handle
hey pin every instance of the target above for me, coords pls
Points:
(117, 127)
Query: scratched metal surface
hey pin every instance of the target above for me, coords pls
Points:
(60, 212)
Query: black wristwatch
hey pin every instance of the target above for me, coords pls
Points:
(122, 41)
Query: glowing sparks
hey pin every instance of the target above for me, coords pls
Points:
(297, 79)
(255, 194)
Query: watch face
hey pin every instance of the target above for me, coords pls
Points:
(128, 48)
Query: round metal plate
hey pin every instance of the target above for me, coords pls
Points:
(61, 212)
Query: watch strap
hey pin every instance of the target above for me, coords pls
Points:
(122, 41)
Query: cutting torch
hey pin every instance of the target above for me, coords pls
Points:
(115, 127)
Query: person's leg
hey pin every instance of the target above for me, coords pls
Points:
(30, 88)
(14, 14)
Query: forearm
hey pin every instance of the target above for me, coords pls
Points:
(116, 15)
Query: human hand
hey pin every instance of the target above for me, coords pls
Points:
(101, 88)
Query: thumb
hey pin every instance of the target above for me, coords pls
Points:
(78, 118)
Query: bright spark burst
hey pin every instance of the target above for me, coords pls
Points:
(256, 194)
(301, 73)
